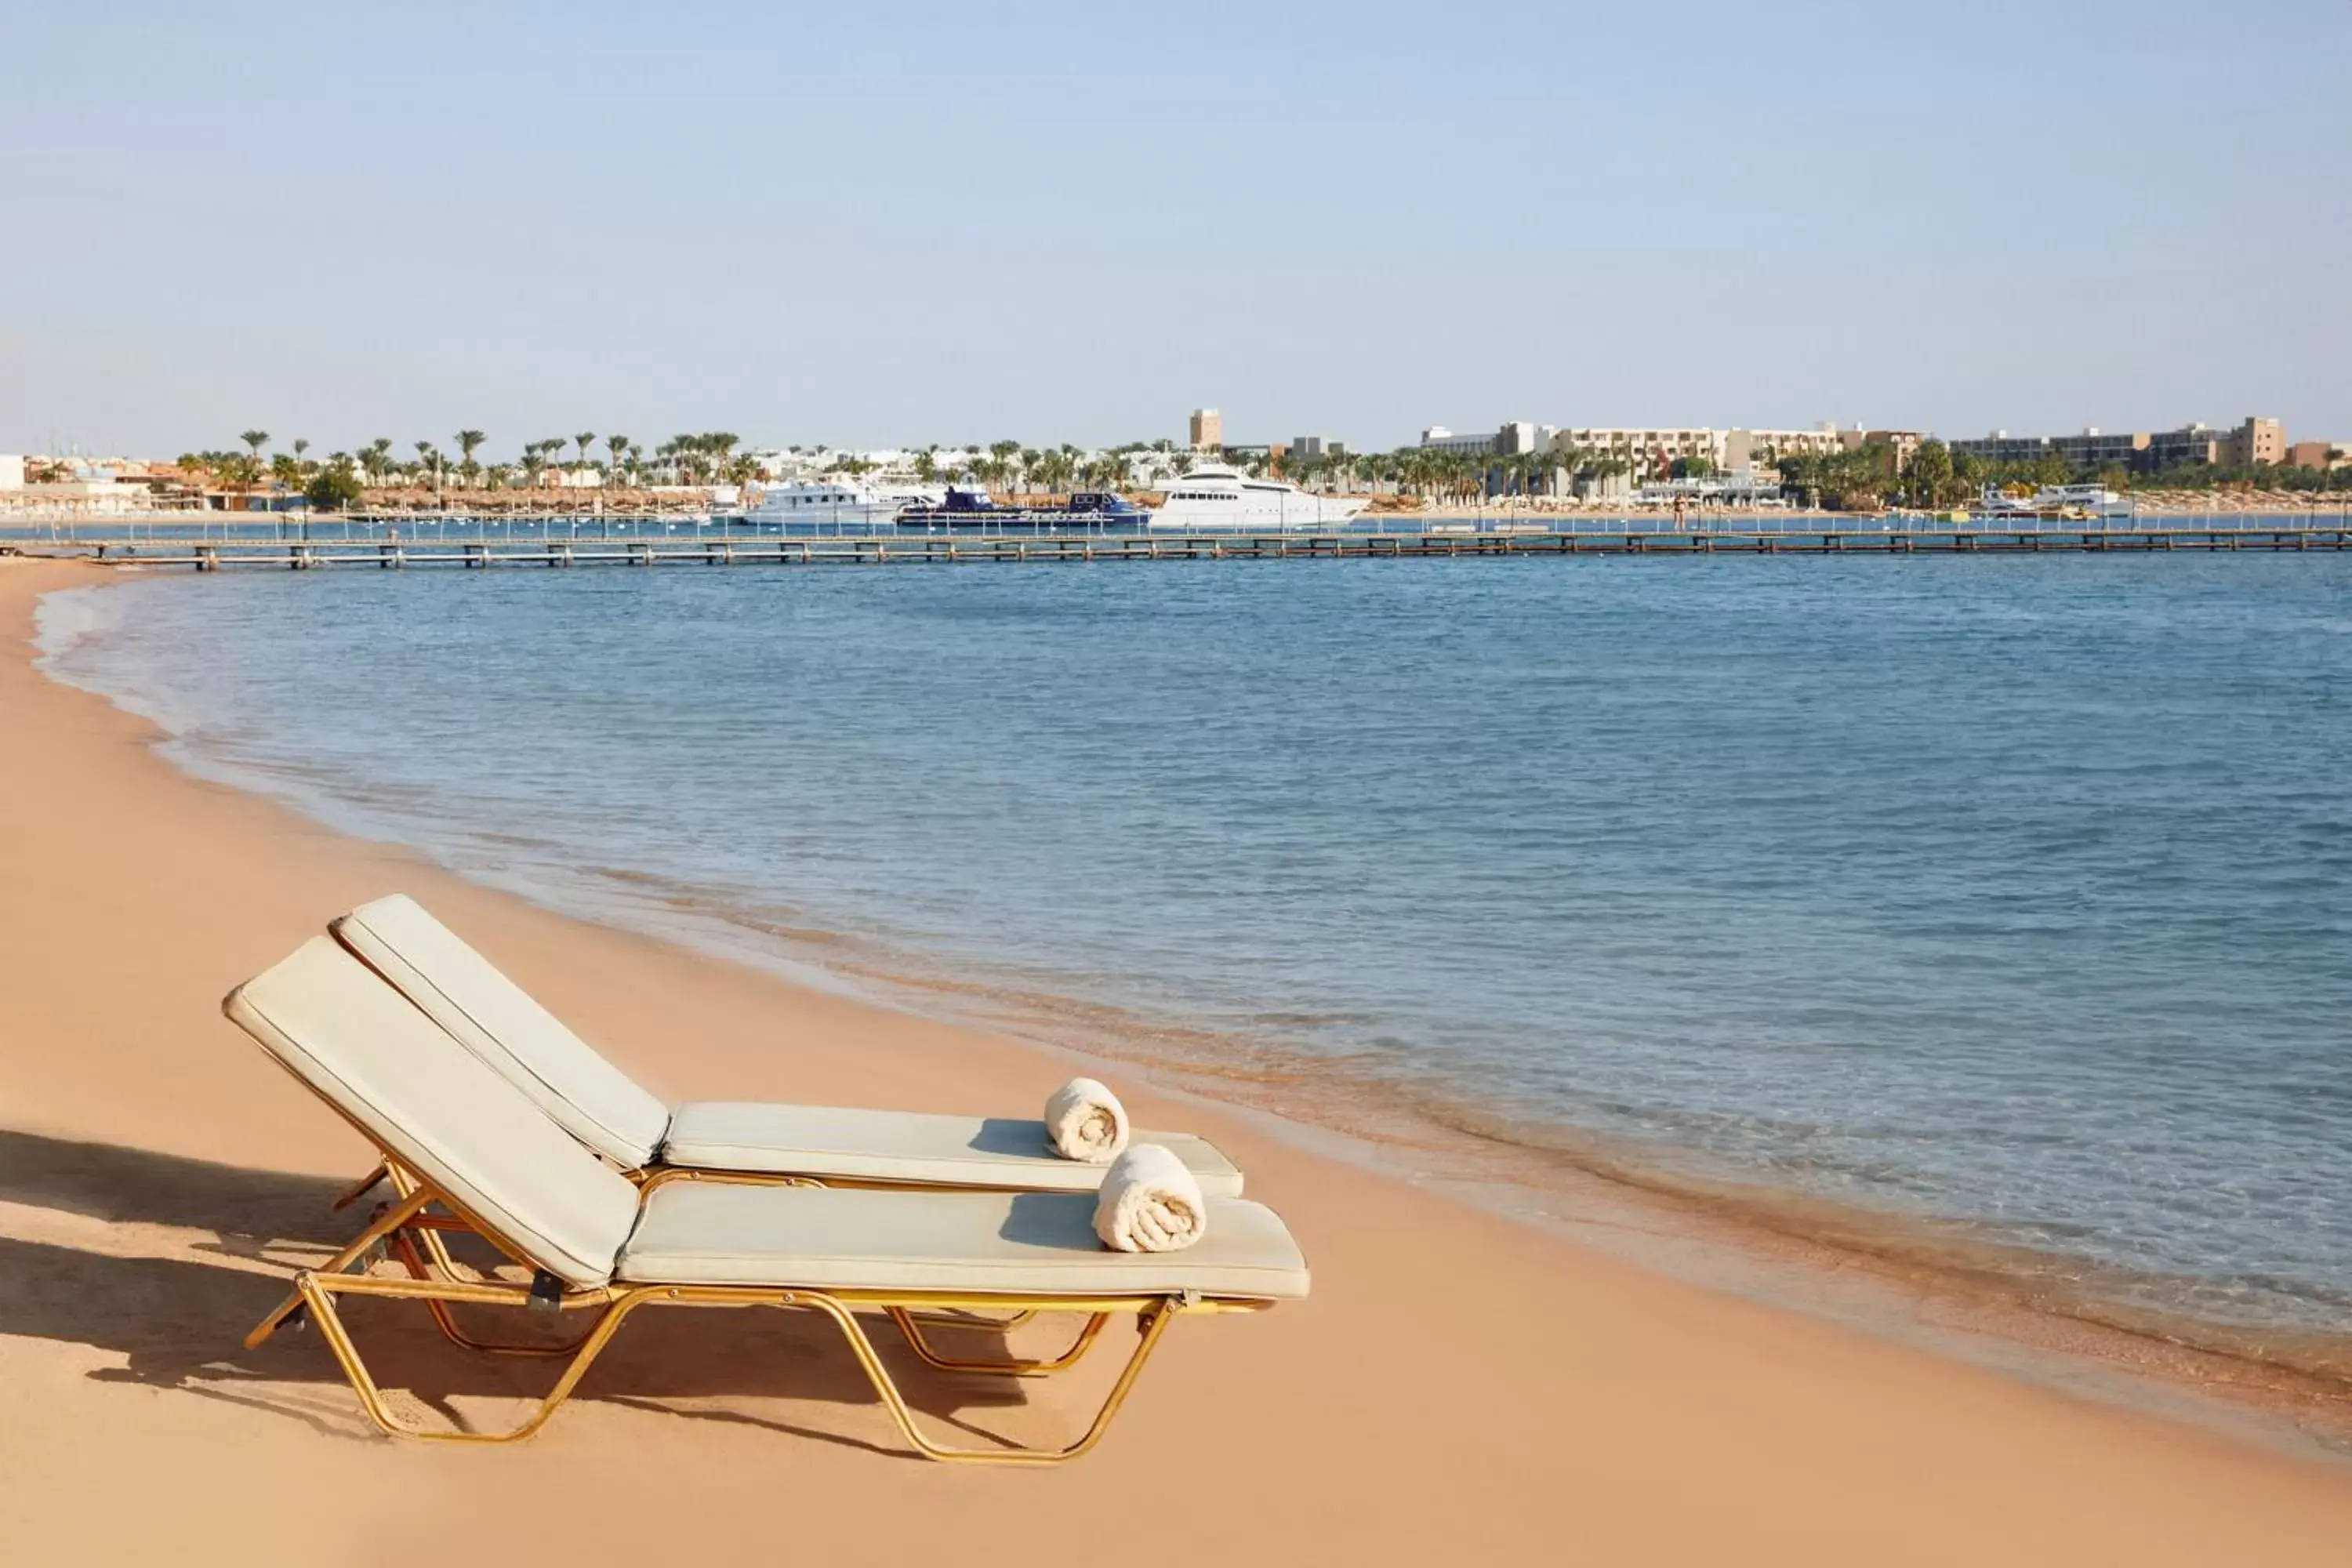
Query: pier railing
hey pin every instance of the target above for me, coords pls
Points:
(501, 544)
(421, 530)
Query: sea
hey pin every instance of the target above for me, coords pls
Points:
(2003, 901)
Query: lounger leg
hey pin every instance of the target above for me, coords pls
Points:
(447, 1321)
(424, 1236)
(384, 1224)
(318, 1292)
(1151, 1323)
(426, 1256)
(910, 1324)
(361, 1188)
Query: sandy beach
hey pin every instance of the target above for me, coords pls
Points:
(1461, 1387)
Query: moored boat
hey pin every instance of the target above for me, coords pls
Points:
(835, 500)
(2052, 503)
(967, 506)
(1209, 498)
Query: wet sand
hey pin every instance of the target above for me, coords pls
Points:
(1461, 1387)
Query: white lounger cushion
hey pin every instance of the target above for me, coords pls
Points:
(838, 1239)
(907, 1146)
(502, 1023)
(460, 1126)
(606, 1110)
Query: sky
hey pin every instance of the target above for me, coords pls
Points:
(889, 223)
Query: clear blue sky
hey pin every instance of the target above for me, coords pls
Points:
(881, 222)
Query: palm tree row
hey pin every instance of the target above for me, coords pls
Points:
(430, 468)
(711, 457)
(1868, 477)
(707, 459)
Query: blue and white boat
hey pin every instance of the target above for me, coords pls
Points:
(967, 506)
(835, 500)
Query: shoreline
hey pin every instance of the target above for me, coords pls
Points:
(1815, 1440)
(1936, 1280)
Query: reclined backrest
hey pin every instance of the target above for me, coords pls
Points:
(500, 1021)
(434, 1105)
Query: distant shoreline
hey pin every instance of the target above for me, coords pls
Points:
(489, 506)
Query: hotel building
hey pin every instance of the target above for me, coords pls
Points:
(1645, 446)
(1207, 430)
(1729, 451)
(1437, 437)
(2256, 442)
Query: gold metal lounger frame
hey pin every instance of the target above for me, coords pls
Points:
(422, 1248)
(407, 1225)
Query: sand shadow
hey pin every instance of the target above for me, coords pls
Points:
(178, 1322)
(121, 1185)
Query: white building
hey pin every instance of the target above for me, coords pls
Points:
(1445, 440)
(1727, 451)
(81, 498)
(1516, 435)
(12, 470)
(1740, 489)
(1759, 449)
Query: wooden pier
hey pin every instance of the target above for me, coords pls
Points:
(939, 549)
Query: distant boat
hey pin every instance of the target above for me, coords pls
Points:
(1209, 498)
(2051, 502)
(836, 501)
(966, 507)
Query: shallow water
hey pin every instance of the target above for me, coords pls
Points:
(2015, 893)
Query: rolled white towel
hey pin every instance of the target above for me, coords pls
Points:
(1085, 1121)
(1149, 1202)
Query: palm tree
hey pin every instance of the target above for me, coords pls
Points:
(616, 445)
(584, 437)
(469, 442)
(256, 439)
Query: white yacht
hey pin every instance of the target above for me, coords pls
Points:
(836, 499)
(1224, 497)
(2052, 501)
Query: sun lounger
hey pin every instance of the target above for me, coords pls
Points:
(606, 1110)
(470, 1142)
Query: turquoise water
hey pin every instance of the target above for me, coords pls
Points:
(2010, 893)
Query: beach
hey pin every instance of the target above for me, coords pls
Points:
(1461, 1386)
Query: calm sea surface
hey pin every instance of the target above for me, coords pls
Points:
(2010, 893)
